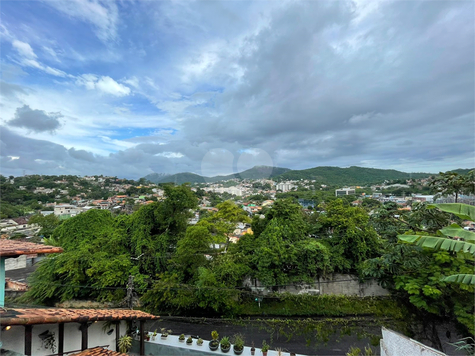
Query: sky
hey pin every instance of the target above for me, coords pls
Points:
(130, 88)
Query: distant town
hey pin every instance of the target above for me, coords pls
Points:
(67, 196)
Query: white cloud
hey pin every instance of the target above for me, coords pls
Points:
(24, 49)
(110, 86)
(170, 154)
(35, 64)
(52, 53)
(104, 84)
(117, 143)
(132, 81)
(55, 72)
(28, 58)
(103, 15)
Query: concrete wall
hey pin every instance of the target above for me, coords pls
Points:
(395, 344)
(339, 284)
(172, 347)
(15, 263)
(13, 339)
(347, 284)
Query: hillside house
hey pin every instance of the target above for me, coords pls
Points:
(55, 331)
(344, 191)
(65, 210)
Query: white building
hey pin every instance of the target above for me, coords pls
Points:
(423, 198)
(65, 209)
(285, 186)
(345, 191)
(395, 344)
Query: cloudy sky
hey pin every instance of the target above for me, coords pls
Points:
(133, 87)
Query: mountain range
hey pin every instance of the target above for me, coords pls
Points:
(323, 175)
(257, 172)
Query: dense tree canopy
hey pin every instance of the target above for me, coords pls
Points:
(177, 267)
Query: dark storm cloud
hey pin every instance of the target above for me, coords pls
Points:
(81, 155)
(19, 153)
(409, 70)
(10, 90)
(35, 120)
(320, 83)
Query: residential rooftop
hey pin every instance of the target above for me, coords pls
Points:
(98, 351)
(13, 248)
(32, 316)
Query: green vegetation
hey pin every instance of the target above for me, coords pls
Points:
(100, 251)
(15, 202)
(257, 172)
(349, 176)
(48, 223)
(178, 269)
(323, 175)
(454, 183)
(291, 305)
(179, 178)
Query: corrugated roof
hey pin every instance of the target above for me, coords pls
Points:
(13, 248)
(31, 316)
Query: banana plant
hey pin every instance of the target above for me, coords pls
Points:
(451, 238)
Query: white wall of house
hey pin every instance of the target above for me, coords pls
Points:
(14, 339)
(15, 263)
(395, 344)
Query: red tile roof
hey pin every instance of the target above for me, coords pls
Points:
(13, 248)
(98, 351)
(30, 316)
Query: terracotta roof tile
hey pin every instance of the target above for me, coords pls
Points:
(98, 351)
(13, 248)
(30, 316)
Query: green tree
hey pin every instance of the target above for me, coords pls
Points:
(370, 204)
(191, 251)
(48, 223)
(419, 273)
(101, 251)
(95, 259)
(449, 183)
(224, 221)
(348, 231)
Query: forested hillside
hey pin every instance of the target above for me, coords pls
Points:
(324, 175)
(176, 270)
(257, 172)
(349, 176)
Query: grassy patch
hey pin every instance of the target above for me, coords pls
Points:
(323, 305)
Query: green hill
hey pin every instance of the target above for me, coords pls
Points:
(348, 176)
(178, 178)
(462, 171)
(257, 172)
(325, 175)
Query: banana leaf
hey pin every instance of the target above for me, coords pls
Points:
(458, 232)
(461, 278)
(463, 211)
(439, 243)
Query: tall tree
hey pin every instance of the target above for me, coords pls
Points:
(449, 183)
(348, 231)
